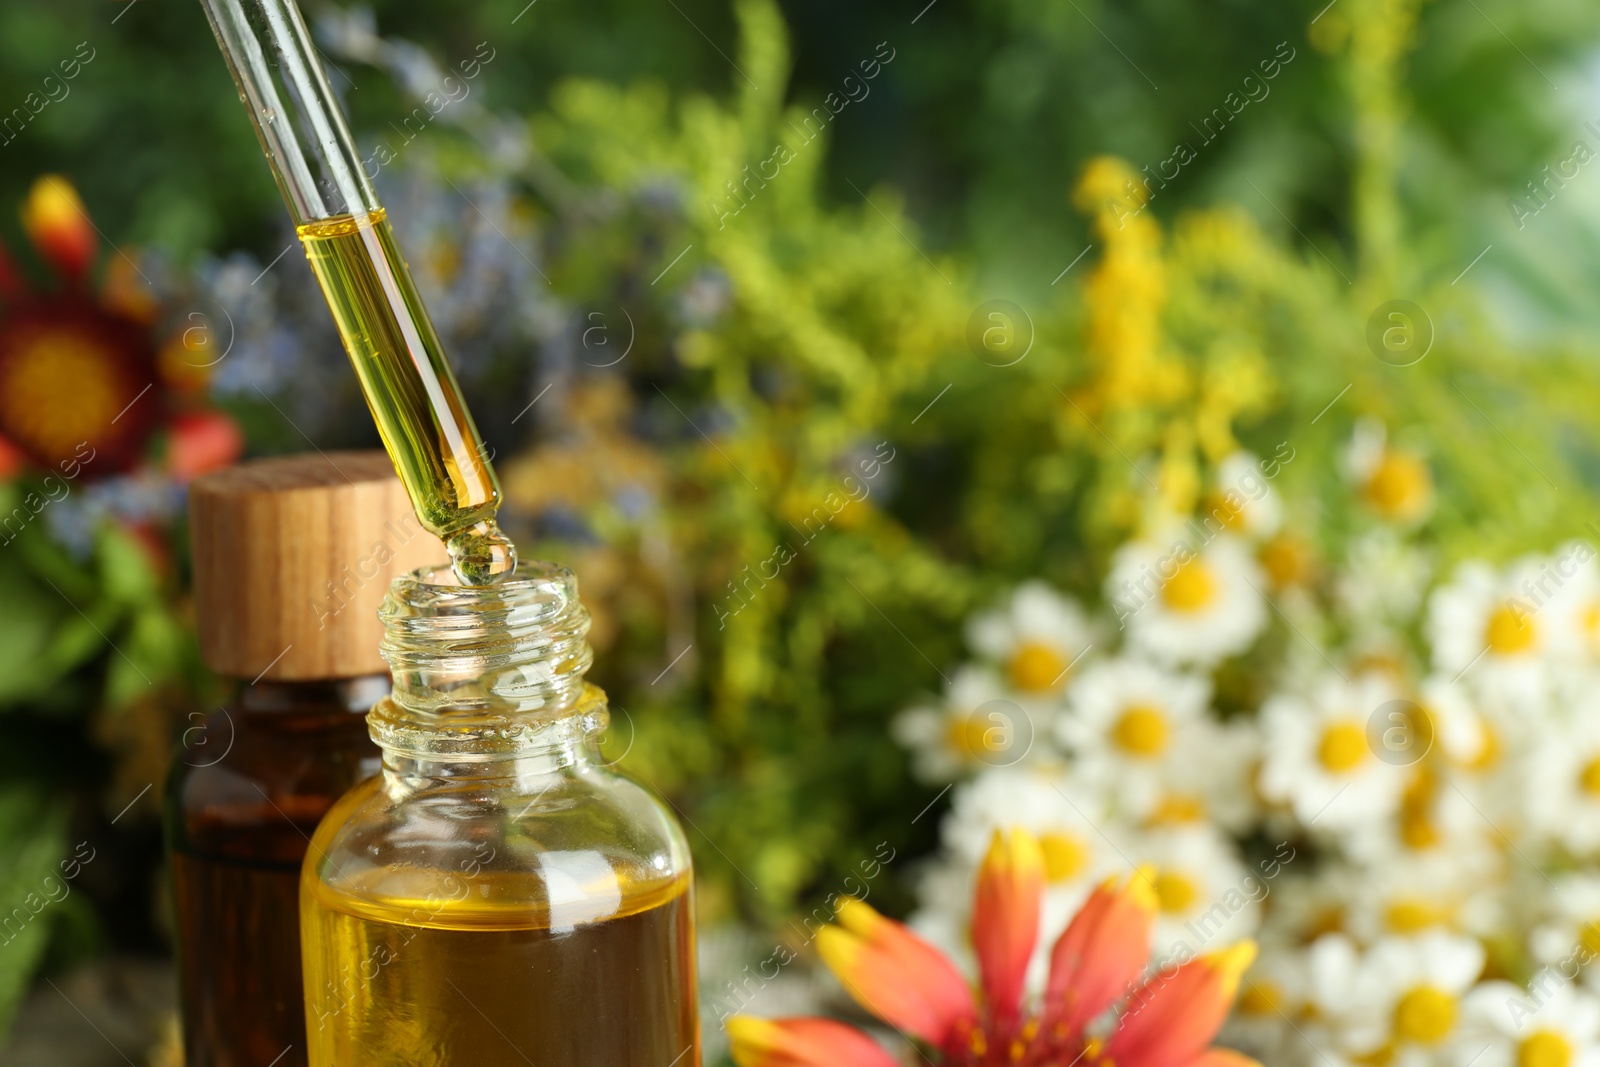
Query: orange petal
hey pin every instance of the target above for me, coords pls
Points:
(895, 974)
(1101, 952)
(12, 460)
(1005, 917)
(58, 225)
(1174, 1016)
(124, 290)
(802, 1043)
(1222, 1057)
(200, 442)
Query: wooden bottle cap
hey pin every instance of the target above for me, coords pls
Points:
(292, 557)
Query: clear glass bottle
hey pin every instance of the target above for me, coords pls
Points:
(498, 894)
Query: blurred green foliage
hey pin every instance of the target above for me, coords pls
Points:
(984, 118)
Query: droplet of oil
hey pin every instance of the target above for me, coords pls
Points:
(481, 554)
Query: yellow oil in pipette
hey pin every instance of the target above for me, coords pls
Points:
(410, 390)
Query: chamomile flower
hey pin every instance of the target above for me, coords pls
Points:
(1547, 1026)
(1479, 747)
(1561, 787)
(1332, 974)
(1206, 896)
(1418, 984)
(1569, 936)
(1402, 998)
(1383, 579)
(979, 723)
(1501, 630)
(1433, 817)
(1184, 604)
(1397, 891)
(1035, 638)
(1215, 781)
(1273, 989)
(1242, 500)
(1317, 759)
(1576, 565)
(1065, 816)
(1393, 482)
(1461, 732)
(1290, 563)
(1130, 724)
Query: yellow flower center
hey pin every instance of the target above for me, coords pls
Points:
(1175, 891)
(1417, 826)
(1179, 808)
(1141, 731)
(1589, 778)
(1412, 916)
(1343, 747)
(1589, 936)
(1425, 1014)
(1065, 856)
(1192, 587)
(968, 735)
(1216, 506)
(1287, 562)
(1326, 920)
(1508, 631)
(1036, 667)
(1261, 996)
(1399, 487)
(1544, 1048)
(1488, 753)
(60, 390)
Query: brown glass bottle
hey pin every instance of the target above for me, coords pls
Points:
(241, 807)
(291, 557)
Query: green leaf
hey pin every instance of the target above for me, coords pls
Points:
(32, 883)
(126, 576)
(28, 664)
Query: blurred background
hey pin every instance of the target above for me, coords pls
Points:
(1072, 281)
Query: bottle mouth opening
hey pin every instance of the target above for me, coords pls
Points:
(491, 661)
(434, 592)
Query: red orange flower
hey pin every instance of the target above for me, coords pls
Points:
(79, 373)
(71, 373)
(1099, 1007)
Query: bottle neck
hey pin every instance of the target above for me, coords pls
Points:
(316, 696)
(565, 743)
(488, 680)
(470, 746)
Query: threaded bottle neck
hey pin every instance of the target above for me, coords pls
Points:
(486, 671)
